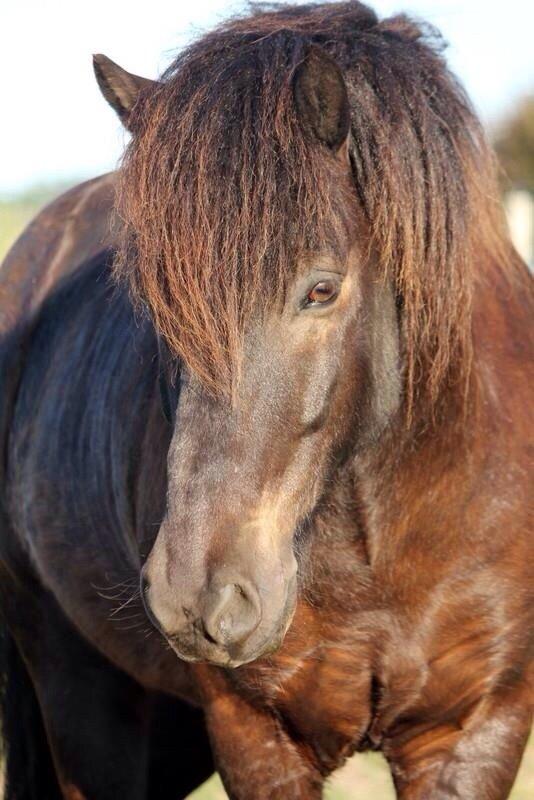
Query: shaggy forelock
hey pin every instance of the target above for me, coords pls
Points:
(222, 191)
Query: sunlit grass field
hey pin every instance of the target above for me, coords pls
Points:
(364, 776)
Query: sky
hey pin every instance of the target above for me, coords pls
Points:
(55, 125)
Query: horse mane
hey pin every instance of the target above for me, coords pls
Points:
(222, 191)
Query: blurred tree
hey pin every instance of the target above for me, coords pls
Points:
(514, 143)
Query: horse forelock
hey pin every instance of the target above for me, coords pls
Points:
(222, 191)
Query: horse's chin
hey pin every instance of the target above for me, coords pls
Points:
(219, 657)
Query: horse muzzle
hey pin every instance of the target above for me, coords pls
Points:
(229, 622)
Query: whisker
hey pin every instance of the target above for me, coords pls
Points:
(126, 603)
(131, 616)
(131, 627)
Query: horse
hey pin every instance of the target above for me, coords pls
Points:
(266, 433)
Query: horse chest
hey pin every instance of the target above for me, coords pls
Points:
(387, 672)
(331, 703)
(342, 696)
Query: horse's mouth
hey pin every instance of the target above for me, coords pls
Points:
(193, 646)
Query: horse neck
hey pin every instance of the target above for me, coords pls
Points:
(427, 493)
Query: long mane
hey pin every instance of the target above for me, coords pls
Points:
(222, 192)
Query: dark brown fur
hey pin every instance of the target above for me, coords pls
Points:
(408, 508)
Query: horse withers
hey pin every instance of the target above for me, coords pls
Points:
(266, 443)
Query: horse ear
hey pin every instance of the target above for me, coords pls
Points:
(120, 88)
(322, 100)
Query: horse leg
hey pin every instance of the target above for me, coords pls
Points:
(180, 751)
(480, 759)
(254, 753)
(96, 717)
(28, 771)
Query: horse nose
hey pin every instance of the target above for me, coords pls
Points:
(232, 612)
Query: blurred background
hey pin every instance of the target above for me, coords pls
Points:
(57, 130)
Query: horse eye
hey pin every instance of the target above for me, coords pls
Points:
(321, 293)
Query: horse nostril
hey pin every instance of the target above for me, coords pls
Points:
(232, 612)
